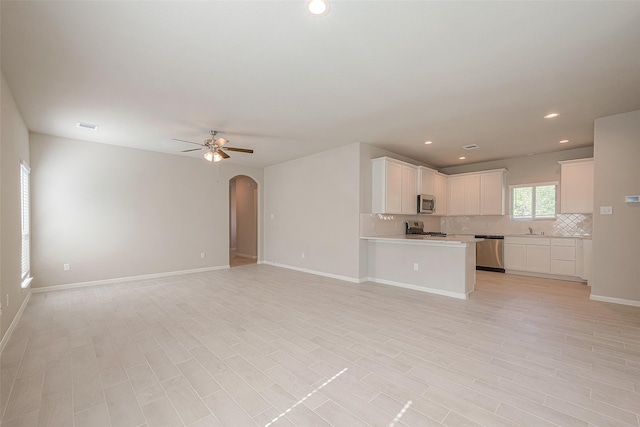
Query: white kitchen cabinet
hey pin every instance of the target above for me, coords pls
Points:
(515, 256)
(464, 194)
(440, 191)
(563, 257)
(409, 189)
(394, 187)
(587, 254)
(538, 259)
(478, 193)
(555, 256)
(532, 254)
(435, 184)
(492, 192)
(576, 186)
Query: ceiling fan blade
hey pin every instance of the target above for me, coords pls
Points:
(182, 140)
(220, 142)
(241, 150)
(223, 154)
(192, 149)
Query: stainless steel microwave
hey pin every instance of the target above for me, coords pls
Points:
(426, 204)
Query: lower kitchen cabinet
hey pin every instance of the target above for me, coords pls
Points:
(563, 257)
(546, 255)
(527, 254)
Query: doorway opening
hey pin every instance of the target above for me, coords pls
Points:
(243, 221)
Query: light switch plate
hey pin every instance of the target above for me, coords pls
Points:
(606, 210)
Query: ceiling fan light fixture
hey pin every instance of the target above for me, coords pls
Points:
(318, 7)
(216, 156)
(209, 155)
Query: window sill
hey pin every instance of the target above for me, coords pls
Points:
(26, 282)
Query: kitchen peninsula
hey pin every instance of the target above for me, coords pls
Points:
(439, 265)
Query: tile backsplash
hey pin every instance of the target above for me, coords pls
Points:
(563, 225)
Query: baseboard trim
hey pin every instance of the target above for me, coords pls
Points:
(418, 288)
(14, 322)
(547, 276)
(125, 279)
(615, 300)
(317, 273)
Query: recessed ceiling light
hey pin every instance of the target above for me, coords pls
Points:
(564, 141)
(318, 7)
(462, 158)
(428, 142)
(551, 116)
(87, 126)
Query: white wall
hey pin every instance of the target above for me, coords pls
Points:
(314, 202)
(14, 147)
(616, 238)
(114, 212)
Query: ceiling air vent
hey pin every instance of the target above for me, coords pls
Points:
(88, 126)
(470, 147)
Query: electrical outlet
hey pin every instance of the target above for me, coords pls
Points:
(66, 267)
(302, 254)
(202, 254)
(415, 266)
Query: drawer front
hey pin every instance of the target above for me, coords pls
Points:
(538, 241)
(566, 253)
(563, 242)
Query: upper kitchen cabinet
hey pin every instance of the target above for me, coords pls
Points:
(464, 194)
(394, 186)
(576, 186)
(478, 193)
(492, 192)
(434, 183)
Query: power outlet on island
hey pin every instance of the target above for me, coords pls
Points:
(66, 267)
(202, 254)
(416, 267)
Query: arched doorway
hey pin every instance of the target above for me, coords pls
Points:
(243, 221)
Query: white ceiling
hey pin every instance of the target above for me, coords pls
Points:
(273, 78)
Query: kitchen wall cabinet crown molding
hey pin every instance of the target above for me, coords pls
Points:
(477, 193)
(576, 186)
(394, 187)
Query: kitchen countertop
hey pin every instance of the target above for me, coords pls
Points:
(452, 239)
(555, 236)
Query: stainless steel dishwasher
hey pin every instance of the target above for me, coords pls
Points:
(490, 253)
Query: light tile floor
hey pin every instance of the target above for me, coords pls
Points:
(240, 347)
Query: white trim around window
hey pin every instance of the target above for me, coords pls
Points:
(527, 209)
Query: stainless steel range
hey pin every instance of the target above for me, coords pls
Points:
(417, 227)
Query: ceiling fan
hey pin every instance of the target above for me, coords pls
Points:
(215, 147)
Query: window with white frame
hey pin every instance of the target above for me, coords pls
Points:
(533, 201)
(26, 220)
